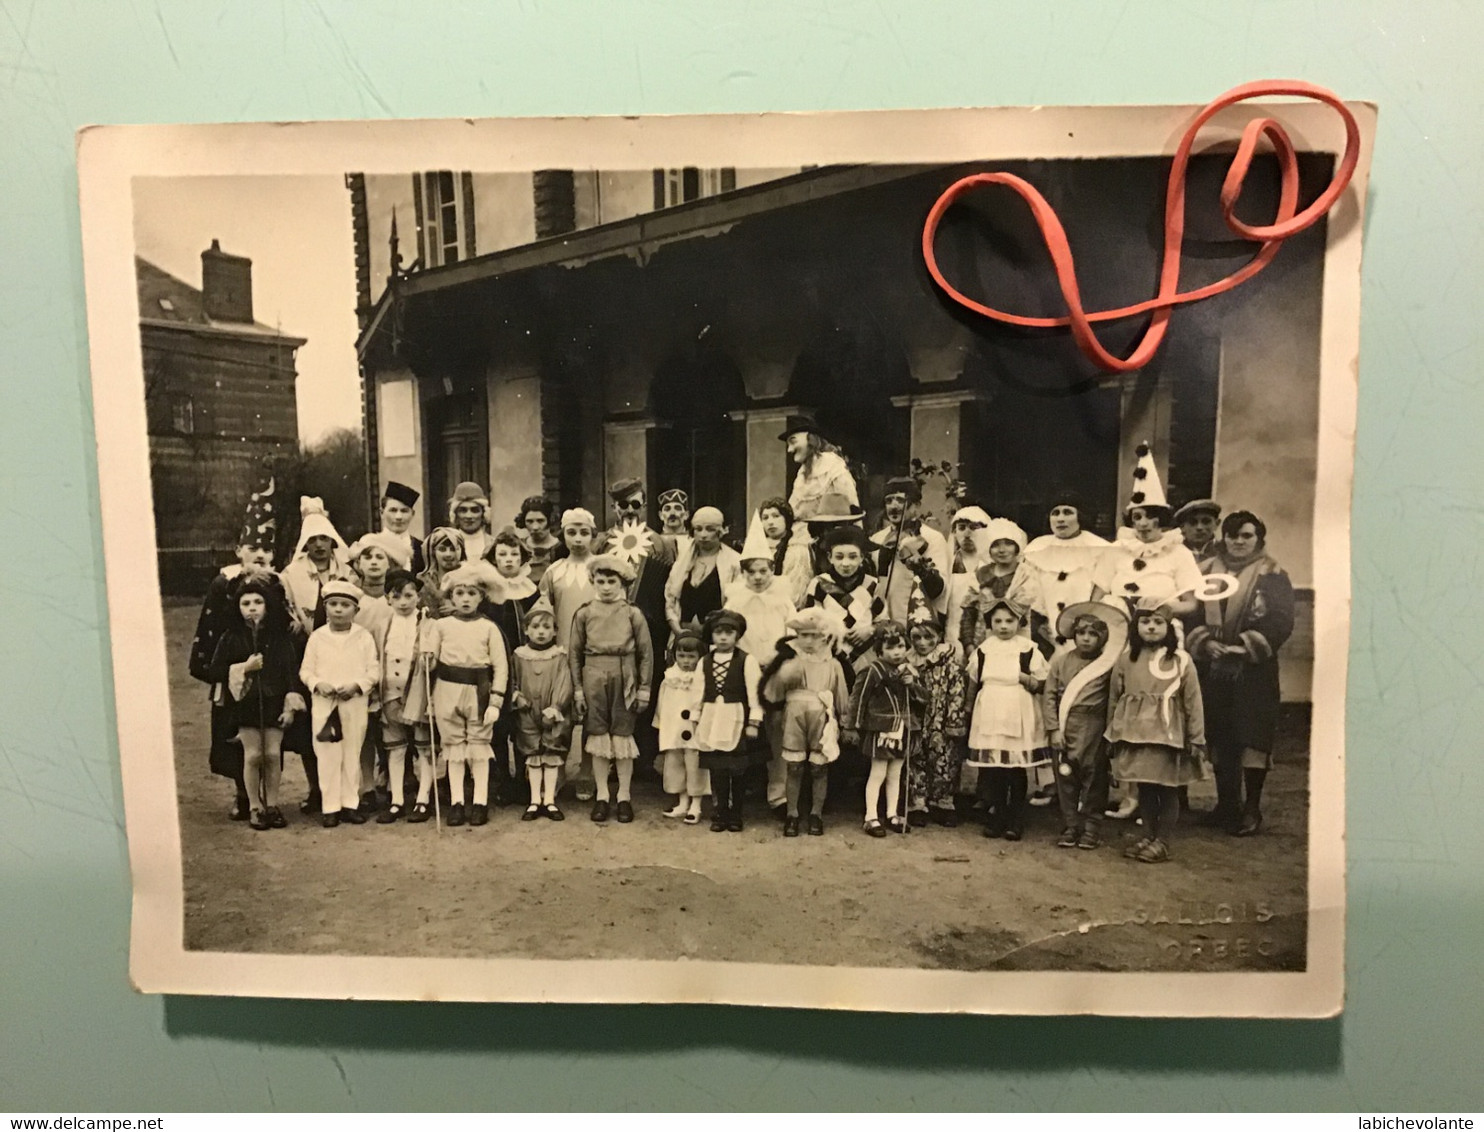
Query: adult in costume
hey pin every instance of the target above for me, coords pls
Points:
(469, 514)
(397, 502)
(1235, 645)
(1066, 563)
(1148, 556)
(920, 553)
(320, 556)
(824, 492)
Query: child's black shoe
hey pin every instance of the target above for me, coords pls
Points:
(257, 819)
(531, 813)
(479, 815)
(600, 812)
(1068, 838)
(455, 814)
(917, 819)
(816, 825)
(354, 817)
(554, 812)
(625, 812)
(790, 827)
(420, 813)
(389, 815)
(329, 821)
(312, 804)
(718, 822)
(276, 818)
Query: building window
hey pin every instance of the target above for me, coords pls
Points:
(677, 186)
(444, 203)
(183, 415)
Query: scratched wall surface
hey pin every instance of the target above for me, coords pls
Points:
(77, 1038)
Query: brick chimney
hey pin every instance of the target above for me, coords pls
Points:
(226, 285)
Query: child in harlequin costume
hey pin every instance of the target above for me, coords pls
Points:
(1075, 707)
(808, 683)
(762, 598)
(885, 716)
(847, 592)
(404, 703)
(612, 668)
(467, 657)
(1006, 732)
(257, 665)
(934, 771)
(444, 548)
(731, 714)
(542, 702)
(341, 670)
(677, 718)
(509, 557)
(1156, 721)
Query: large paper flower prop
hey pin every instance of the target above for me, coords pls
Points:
(633, 542)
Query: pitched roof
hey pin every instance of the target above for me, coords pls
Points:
(167, 301)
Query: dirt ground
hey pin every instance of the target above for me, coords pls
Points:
(657, 889)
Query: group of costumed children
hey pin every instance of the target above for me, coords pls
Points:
(784, 673)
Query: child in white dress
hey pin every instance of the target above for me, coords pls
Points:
(1006, 732)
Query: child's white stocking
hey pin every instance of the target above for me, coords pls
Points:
(424, 776)
(893, 786)
(456, 768)
(396, 762)
(602, 766)
(549, 777)
(625, 768)
(874, 783)
(481, 769)
(533, 778)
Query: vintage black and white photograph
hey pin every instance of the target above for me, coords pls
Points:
(636, 555)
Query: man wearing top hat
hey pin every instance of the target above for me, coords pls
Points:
(652, 555)
(920, 552)
(397, 502)
(824, 491)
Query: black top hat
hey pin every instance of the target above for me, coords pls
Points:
(799, 422)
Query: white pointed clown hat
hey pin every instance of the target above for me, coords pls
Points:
(1147, 491)
(756, 545)
(314, 520)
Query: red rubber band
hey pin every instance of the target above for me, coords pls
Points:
(1286, 223)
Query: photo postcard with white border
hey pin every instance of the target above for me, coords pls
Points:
(593, 560)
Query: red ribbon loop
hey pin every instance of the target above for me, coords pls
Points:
(1286, 223)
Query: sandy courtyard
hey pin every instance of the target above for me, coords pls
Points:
(656, 889)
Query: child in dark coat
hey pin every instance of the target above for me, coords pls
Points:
(885, 718)
(256, 666)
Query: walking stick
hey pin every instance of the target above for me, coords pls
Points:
(432, 730)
